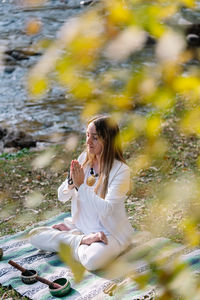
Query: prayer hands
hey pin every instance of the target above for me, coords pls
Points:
(77, 173)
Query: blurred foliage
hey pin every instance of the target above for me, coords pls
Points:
(67, 257)
(33, 27)
(93, 56)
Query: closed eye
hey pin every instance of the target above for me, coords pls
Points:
(94, 136)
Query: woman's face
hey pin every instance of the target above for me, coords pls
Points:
(94, 143)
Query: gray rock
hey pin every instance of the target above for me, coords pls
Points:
(3, 132)
(19, 139)
(8, 60)
(9, 69)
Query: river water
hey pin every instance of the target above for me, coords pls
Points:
(52, 113)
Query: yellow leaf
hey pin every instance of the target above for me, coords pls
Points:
(68, 76)
(153, 126)
(123, 102)
(37, 85)
(118, 11)
(84, 49)
(83, 89)
(142, 279)
(157, 147)
(128, 134)
(66, 256)
(190, 123)
(139, 163)
(32, 2)
(90, 110)
(167, 11)
(162, 99)
(63, 64)
(184, 84)
(33, 27)
(192, 235)
(189, 3)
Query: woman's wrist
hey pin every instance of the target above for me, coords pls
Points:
(77, 186)
(71, 187)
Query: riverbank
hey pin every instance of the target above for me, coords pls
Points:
(18, 178)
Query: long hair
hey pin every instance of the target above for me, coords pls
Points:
(108, 131)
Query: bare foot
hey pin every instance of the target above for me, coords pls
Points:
(61, 227)
(94, 237)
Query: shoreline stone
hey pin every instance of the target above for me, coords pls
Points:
(16, 139)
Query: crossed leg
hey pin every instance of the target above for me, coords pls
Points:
(89, 250)
(98, 254)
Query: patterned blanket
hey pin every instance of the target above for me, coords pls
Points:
(49, 266)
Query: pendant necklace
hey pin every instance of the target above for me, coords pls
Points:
(92, 178)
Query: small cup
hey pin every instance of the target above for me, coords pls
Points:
(1, 253)
(29, 279)
(64, 290)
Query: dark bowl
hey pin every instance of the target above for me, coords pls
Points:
(64, 290)
(29, 279)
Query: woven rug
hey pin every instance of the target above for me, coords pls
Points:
(49, 266)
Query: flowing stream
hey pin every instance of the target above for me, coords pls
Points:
(52, 113)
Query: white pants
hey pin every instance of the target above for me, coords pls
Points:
(92, 257)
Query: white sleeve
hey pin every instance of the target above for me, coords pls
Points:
(116, 193)
(64, 193)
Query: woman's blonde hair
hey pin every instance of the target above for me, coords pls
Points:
(108, 131)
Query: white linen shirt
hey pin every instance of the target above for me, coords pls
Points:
(99, 214)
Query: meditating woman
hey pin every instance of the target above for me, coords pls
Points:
(98, 229)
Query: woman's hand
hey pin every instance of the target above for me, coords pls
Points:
(94, 237)
(77, 173)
